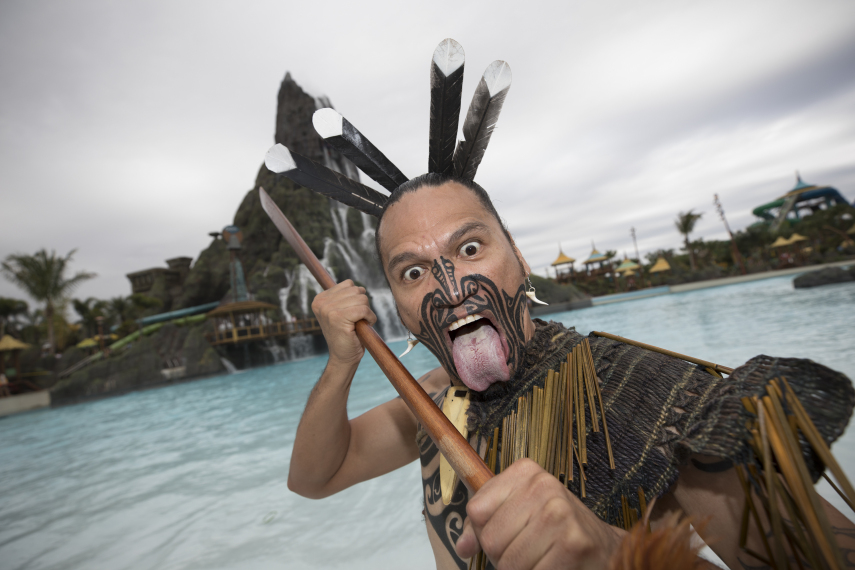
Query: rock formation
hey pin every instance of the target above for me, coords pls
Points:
(338, 235)
(824, 276)
(140, 365)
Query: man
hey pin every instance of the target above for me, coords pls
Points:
(458, 281)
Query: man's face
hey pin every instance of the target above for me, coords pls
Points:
(449, 261)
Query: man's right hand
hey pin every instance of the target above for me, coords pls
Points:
(337, 310)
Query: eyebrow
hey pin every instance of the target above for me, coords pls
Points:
(408, 256)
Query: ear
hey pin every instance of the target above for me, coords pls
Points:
(519, 255)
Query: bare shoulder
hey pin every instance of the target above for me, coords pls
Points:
(435, 381)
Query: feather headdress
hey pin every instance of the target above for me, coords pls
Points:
(445, 154)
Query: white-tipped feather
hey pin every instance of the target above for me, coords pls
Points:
(446, 89)
(448, 56)
(328, 122)
(278, 159)
(481, 118)
(498, 77)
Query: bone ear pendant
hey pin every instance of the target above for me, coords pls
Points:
(531, 294)
(411, 344)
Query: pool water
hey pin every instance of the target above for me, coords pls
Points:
(194, 475)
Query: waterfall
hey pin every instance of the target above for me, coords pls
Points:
(230, 368)
(358, 257)
(283, 296)
(300, 346)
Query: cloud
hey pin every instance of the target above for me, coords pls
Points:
(130, 130)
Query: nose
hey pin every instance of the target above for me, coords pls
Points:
(444, 273)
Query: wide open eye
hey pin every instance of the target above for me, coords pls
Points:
(413, 273)
(470, 248)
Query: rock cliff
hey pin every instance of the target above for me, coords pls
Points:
(270, 264)
(140, 365)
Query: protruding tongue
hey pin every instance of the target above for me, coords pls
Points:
(479, 356)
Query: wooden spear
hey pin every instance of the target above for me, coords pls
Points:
(466, 462)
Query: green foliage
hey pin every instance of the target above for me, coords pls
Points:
(89, 310)
(42, 276)
(10, 309)
(686, 221)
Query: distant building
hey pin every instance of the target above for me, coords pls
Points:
(802, 200)
(164, 283)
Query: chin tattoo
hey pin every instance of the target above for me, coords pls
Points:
(480, 295)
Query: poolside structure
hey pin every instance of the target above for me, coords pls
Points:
(626, 266)
(164, 283)
(803, 199)
(627, 270)
(600, 260)
(247, 321)
(9, 344)
(795, 238)
(563, 265)
(660, 266)
(780, 242)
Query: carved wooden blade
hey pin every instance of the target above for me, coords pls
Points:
(309, 259)
(323, 180)
(446, 91)
(345, 138)
(481, 118)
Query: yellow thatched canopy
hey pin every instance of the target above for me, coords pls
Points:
(780, 242)
(10, 343)
(660, 265)
(626, 265)
(595, 257)
(797, 238)
(562, 259)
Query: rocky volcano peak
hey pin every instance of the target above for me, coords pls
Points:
(294, 127)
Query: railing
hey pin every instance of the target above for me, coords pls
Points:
(256, 332)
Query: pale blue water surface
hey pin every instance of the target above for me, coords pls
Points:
(194, 475)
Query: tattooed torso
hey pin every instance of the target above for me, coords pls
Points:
(444, 522)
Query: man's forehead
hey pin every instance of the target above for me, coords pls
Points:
(436, 210)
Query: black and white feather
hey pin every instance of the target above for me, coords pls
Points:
(323, 180)
(339, 133)
(446, 90)
(481, 118)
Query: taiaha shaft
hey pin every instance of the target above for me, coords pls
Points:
(466, 462)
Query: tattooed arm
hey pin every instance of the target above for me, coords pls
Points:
(332, 452)
(708, 488)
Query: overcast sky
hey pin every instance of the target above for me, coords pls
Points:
(129, 130)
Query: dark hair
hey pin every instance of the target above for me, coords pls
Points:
(433, 180)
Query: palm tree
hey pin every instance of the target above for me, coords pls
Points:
(119, 310)
(685, 223)
(89, 310)
(42, 276)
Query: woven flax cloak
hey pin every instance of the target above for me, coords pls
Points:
(660, 410)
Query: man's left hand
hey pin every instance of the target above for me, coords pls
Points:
(525, 518)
